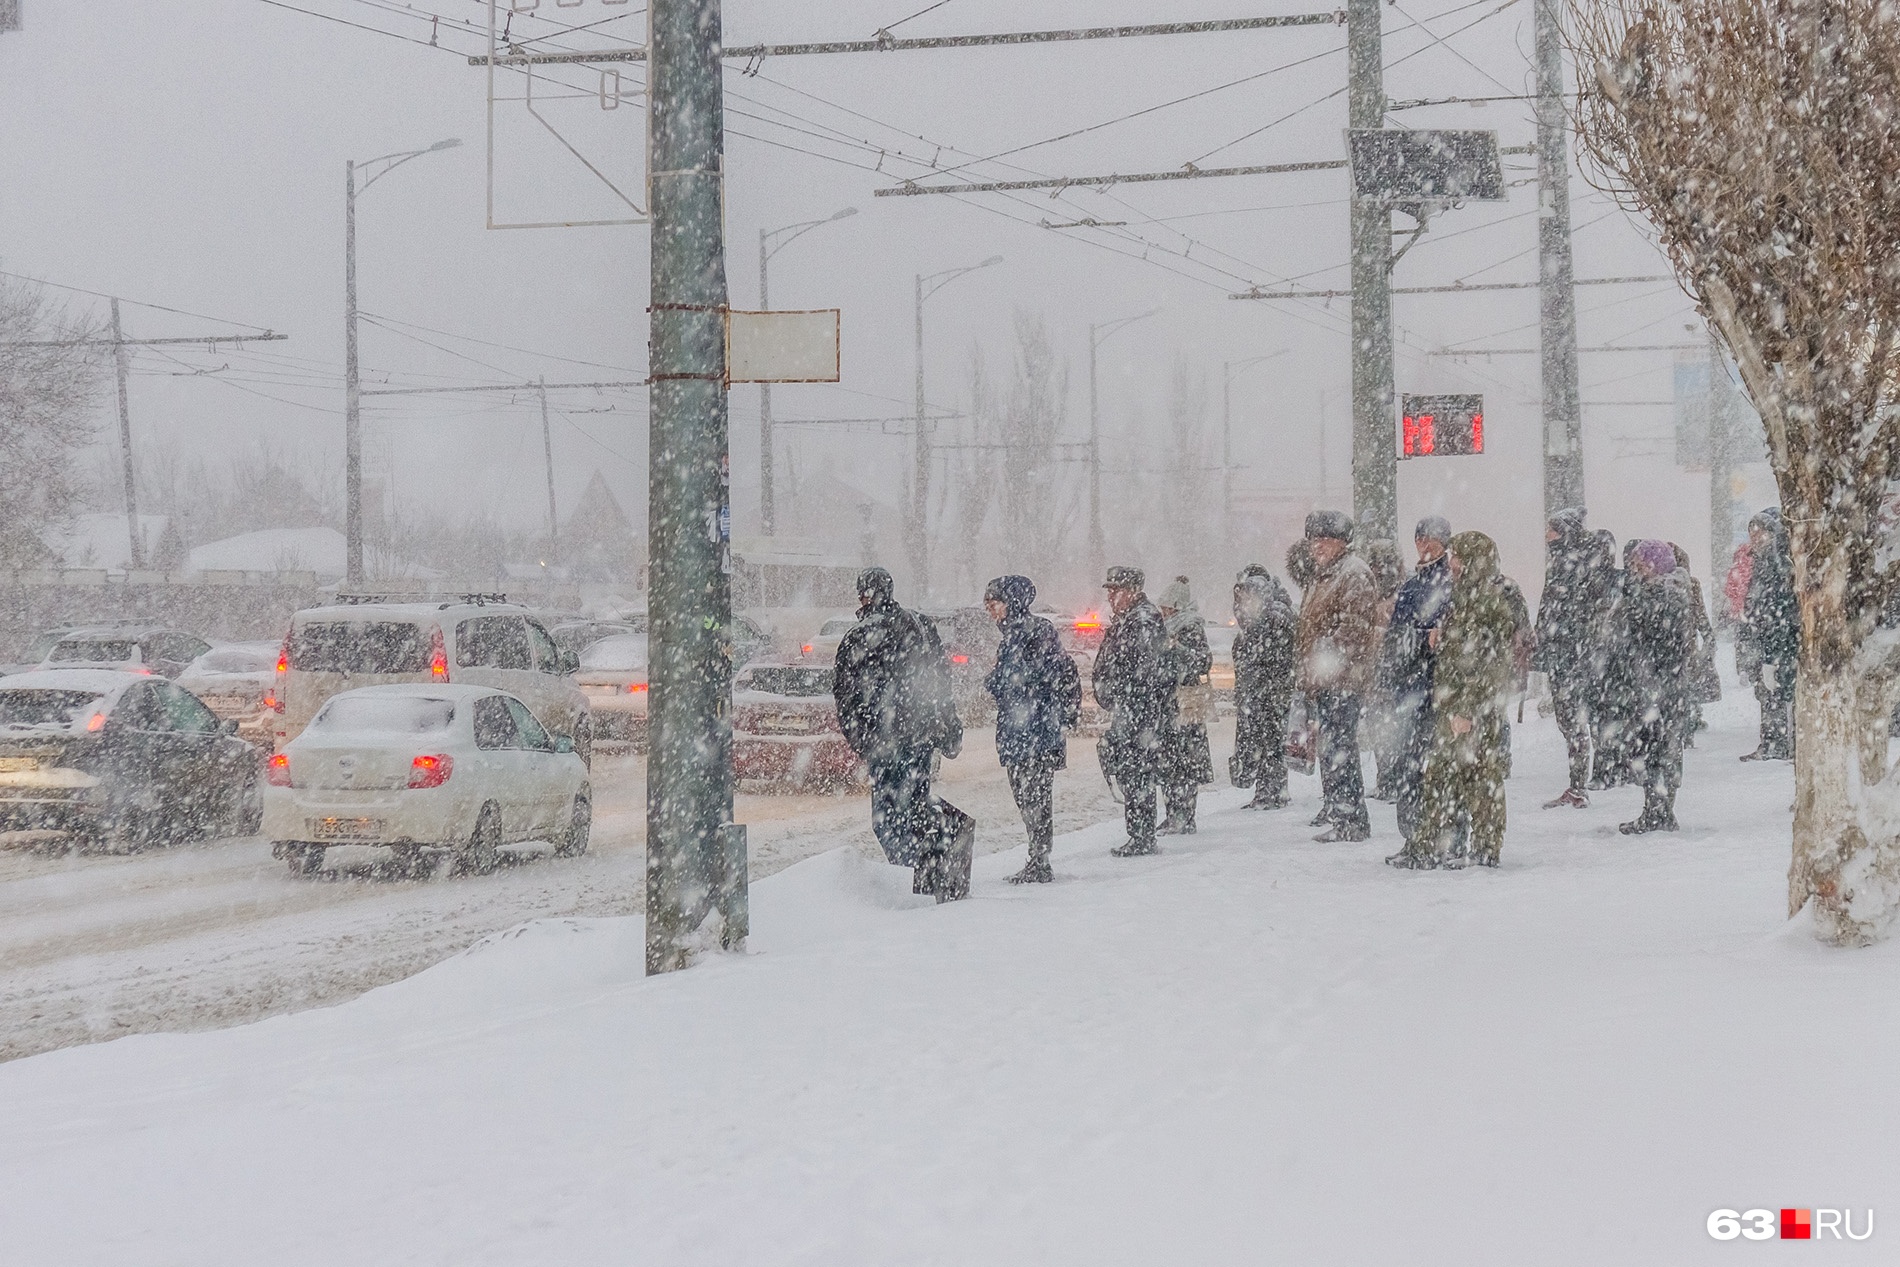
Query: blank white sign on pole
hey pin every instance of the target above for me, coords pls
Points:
(782, 347)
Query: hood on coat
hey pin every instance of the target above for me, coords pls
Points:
(1015, 593)
(875, 586)
(1176, 595)
(1478, 555)
(1568, 525)
(1658, 556)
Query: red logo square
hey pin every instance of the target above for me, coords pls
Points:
(1796, 1225)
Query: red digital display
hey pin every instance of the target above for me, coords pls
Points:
(1442, 426)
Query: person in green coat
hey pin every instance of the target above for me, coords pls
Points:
(1464, 771)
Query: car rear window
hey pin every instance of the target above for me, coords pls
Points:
(359, 646)
(94, 651)
(788, 680)
(493, 642)
(840, 626)
(393, 714)
(238, 660)
(622, 653)
(45, 709)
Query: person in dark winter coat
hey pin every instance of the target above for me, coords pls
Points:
(1661, 645)
(1474, 667)
(1568, 620)
(1135, 681)
(1338, 643)
(1038, 694)
(1768, 641)
(1405, 663)
(1264, 669)
(1705, 682)
(891, 681)
(1187, 762)
(1379, 725)
(1614, 703)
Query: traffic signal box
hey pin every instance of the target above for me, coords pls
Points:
(1443, 426)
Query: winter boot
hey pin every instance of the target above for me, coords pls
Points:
(1033, 873)
(1484, 858)
(1653, 817)
(1571, 797)
(1322, 819)
(1134, 849)
(1412, 859)
(1344, 834)
(1268, 800)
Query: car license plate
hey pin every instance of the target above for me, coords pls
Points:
(346, 828)
(10, 764)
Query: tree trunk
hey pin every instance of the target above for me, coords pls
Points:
(1846, 863)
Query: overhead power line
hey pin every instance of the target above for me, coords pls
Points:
(1630, 347)
(889, 45)
(1453, 289)
(911, 187)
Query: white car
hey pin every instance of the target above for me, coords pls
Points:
(236, 682)
(424, 770)
(613, 675)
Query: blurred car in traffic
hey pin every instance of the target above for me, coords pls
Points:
(425, 770)
(150, 649)
(1220, 641)
(41, 647)
(236, 682)
(577, 635)
(970, 639)
(480, 641)
(822, 647)
(613, 674)
(101, 759)
(785, 728)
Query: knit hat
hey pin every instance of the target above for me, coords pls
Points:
(1176, 596)
(1433, 528)
(1336, 524)
(1657, 556)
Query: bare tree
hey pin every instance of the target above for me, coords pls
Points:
(1759, 137)
(1185, 506)
(1038, 399)
(49, 382)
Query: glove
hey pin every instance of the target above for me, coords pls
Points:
(950, 748)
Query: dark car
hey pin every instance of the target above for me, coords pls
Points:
(133, 648)
(110, 760)
(785, 728)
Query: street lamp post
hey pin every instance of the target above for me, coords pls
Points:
(1229, 371)
(768, 510)
(920, 474)
(352, 416)
(1098, 548)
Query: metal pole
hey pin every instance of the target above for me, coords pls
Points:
(119, 360)
(768, 509)
(1721, 503)
(1098, 548)
(352, 419)
(1375, 463)
(920, 471)
(1557, 296)
(547, 454)
(692, 891)
(1227, 452)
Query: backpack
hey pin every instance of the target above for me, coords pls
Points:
(1068, 690)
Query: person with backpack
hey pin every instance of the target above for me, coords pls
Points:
(891, 681)
(1038, 695)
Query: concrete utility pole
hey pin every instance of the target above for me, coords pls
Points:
(547, 454)
(1098, 546)
(1721, 456)
(768, 504)
(1375, 460)
(125, 443)
(1557, 296)
(352, 391)
(918, 528)
(695, 885)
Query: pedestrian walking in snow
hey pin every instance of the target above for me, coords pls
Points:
(1186, 761)
(1705, 681)
(1615, 703)
(1379, 727)
(1576, 581)
(1338, 645)
(1463, 783)
(1661, 624)
(1038, 695)
(1264, 671)
(891, 681)
(1768, 641)
(1135, 681)
(1405, 663)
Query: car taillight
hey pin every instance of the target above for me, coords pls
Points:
(277, 770)
(273, 702)
(959, 659)
(1088, 623)
(806, 650)
(635, 688)
(438, 661)
(96, 723)
(283, 657)
(431, 770)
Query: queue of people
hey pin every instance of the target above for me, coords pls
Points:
(1418, 666)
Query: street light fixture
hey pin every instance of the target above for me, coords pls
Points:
(768, 510)
(352, 416)
(1098, 335)
(1229, 371)
(920, 477)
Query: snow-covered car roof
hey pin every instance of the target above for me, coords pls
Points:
(105, 681)
(453, 691)
(412, 611)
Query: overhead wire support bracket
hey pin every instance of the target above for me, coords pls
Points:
(885, 44)
(910, 187)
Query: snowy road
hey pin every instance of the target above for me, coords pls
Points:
(199, 936)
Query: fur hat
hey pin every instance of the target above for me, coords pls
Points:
(1336, 524)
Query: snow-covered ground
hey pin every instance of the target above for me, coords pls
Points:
(218, 933)
(1249, 1049)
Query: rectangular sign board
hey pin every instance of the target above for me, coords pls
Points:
(1442, 426)
(782, 347)
(1396, 165)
